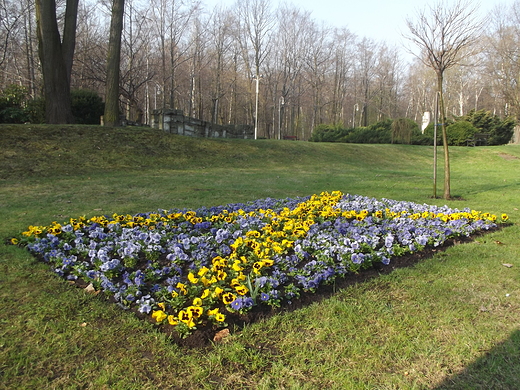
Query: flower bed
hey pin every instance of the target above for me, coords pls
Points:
(192, 268)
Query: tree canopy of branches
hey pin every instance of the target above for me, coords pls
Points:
(181, 55)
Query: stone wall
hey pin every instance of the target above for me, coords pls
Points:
(174, 121)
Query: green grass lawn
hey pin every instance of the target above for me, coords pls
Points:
(451, 321)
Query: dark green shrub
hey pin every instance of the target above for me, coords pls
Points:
(403, 130)
(378, 133)
(12, 99)
(369, 135)
(13, 115)
(418, 138)
(35, 109)
(500, 130)
(87, 107)
(328, 133)
(459, 132)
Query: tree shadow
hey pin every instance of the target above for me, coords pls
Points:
(498, 369)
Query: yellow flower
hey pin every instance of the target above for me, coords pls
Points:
(206, 282)
(14, 241)
(182, 287)
(213, 312)
(236, 266)
(205, 294)
(159, 315)
(196, 311)
(172, 320)
(203, 271)
(197, 302)
(234, 283)
(228, 297)
(175, 294)
(192, 278)
(242, 290)
(219, 317)
(162, 305)
(258, 266)
(217, 291)
(268, 262)
(187, 317)
(505, 217)
(238, 242)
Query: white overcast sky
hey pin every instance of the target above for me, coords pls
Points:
(380, 20)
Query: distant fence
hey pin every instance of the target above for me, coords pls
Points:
(174, 121)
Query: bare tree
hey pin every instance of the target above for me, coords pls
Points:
(365, 74)
(443, 33)
(220, 25)
(256, 22)
(290, 57)
(502, 58)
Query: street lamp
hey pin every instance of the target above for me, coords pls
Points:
(281, 102)
(257, 79)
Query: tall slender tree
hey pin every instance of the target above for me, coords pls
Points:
(56, 57)
(111, 115)
(443, 33)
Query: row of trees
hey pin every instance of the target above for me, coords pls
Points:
(252, 63)
(177, 54)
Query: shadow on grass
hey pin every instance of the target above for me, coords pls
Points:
(499, 368)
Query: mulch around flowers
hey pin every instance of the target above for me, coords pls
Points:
(205, 337)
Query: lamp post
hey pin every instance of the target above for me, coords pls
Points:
(257, 79)
(281, 102)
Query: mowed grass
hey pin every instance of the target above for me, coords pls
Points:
(451, 321)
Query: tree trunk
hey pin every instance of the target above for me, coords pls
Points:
(111, 115)
(56, 58)
(447, 191)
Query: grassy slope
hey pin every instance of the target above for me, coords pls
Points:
(446, 322)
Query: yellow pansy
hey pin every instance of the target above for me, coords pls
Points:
(192, 278)
(182, 288)
(203, 271)
(159, 315)
(196, 311)
(241, 290)
(228, 297)
(219, 317)
(217, 291)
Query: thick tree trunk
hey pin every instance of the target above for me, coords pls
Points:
(111, 116)
(447, 190)
(56, 58)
